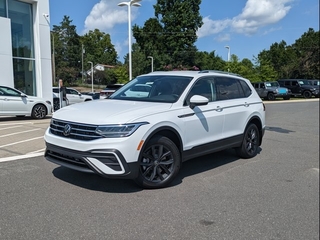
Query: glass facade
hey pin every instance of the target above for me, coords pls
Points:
(3, 8)
(20, 14)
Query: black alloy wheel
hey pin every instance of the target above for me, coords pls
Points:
(159, 163)
(307, 94)
(270, 96)
(250, 143)
(39, 111)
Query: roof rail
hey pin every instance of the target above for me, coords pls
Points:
(218, 71)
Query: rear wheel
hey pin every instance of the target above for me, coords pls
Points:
(39, 111)
(250, 143)
(159, 163)
(307, 94)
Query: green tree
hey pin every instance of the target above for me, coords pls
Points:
(98, 48)
(67, 50)
(306, 49)
(170, 37)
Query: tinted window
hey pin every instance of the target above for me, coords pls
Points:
(246, 89)
(204, 87)
(228, 88)
(9, 92)
(287, 83)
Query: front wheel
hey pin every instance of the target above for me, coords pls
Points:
(159, 163)
(250, 142)
(270, 96)
(39, 111)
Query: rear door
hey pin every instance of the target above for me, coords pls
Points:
(235, 104)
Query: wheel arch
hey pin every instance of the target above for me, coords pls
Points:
(168, 132)
(37, 104)
(257, 121)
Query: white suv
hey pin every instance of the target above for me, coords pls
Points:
(73, 95)
(146, 138)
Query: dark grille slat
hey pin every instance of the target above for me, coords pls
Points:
(78, 131)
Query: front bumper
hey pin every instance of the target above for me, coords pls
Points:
(108, 163)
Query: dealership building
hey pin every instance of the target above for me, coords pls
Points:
(25, 52)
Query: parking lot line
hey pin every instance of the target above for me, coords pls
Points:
(10, 144)
(15, 123)
(37, 129)
(7, 159)
(10, 127)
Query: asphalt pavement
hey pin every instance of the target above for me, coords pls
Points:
(219, 196)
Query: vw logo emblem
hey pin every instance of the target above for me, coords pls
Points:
(67, 130)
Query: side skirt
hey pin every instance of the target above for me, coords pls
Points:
(212, 147)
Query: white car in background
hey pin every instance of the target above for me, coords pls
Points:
(16, 103)
(73, 95)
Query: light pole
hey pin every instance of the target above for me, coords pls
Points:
(53, 60)
(228, 52)
(228, 47)
(129, 4)
(151, 63)
(91, 76)
(82, 52)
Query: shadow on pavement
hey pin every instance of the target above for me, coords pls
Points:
(97, 183)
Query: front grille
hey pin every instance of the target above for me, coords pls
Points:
(77, 131)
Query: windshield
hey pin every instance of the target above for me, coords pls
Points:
(272, 84)
(153, 89)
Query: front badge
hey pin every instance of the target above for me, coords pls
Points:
(67, 130)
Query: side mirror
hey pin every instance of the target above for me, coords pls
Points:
(197, 100)
(23, 95)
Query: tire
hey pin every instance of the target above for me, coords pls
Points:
(56, 105)
(155, 171)
(307, 94)
(39, 111)
(250, 142)
(270, 96)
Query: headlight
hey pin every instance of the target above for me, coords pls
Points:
(119, 130)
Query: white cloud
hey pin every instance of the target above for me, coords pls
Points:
(106, 14)
(255, 15)
(260, 13)
(212, 27)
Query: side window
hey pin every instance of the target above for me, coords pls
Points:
(256, 85)
(246, 89)
(203, 87)
(294, 83)
(287, 83)
(72, 91)
(228, 88)
(9, 92)
(55, 90)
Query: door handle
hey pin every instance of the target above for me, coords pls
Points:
(246, 104)
(219, 109)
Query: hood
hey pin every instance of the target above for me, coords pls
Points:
(109, 111)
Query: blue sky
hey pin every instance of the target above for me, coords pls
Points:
(247, 26)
